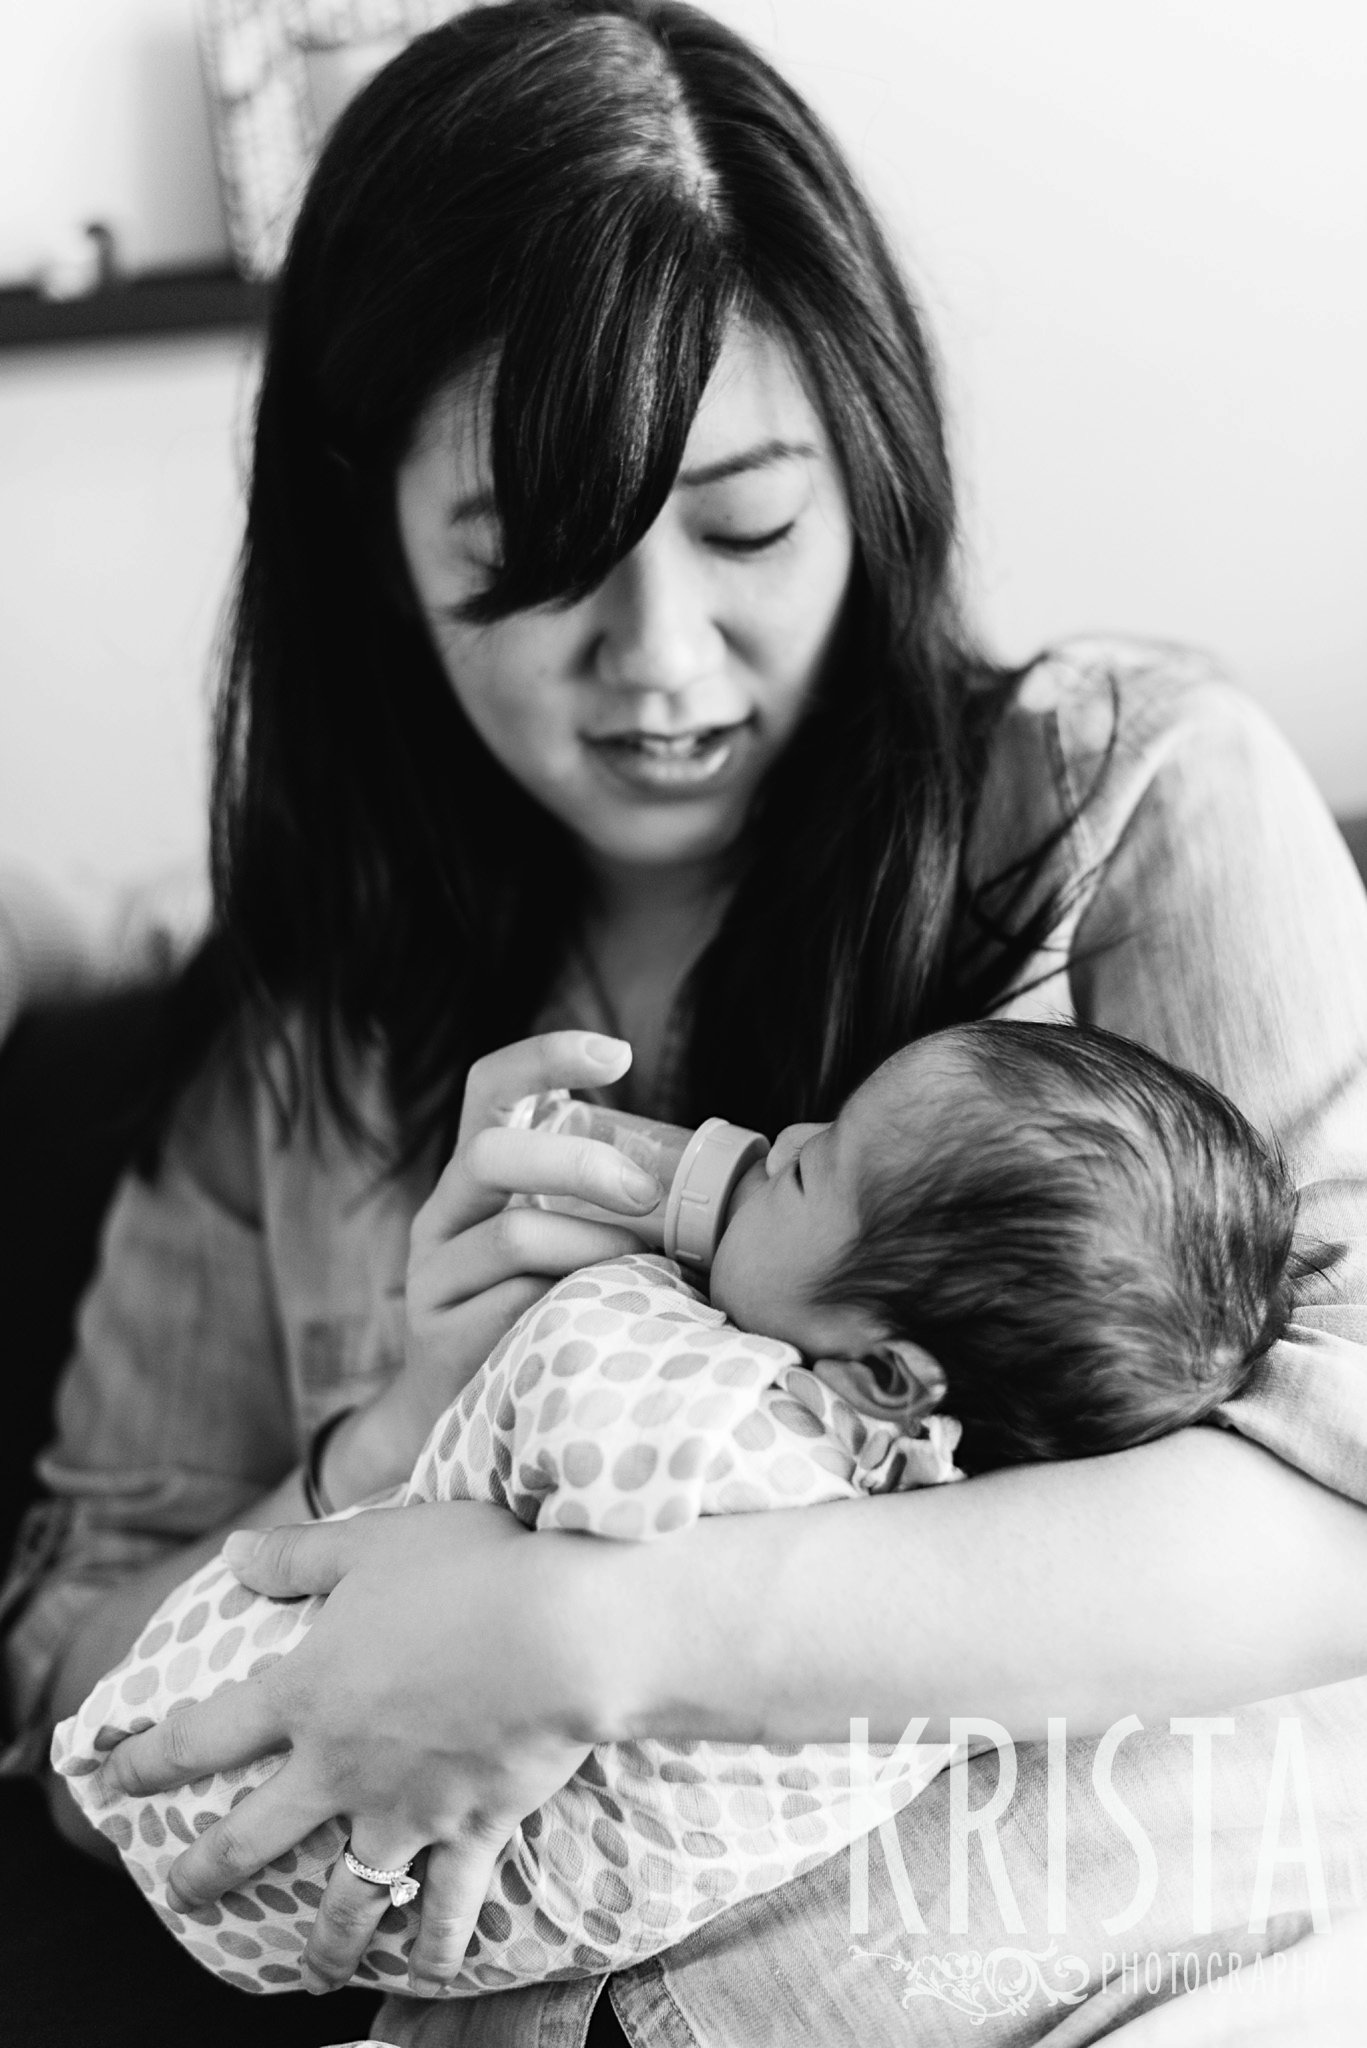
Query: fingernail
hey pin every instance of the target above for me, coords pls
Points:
(641, 1188)
(603, 1051)
(426, 1987)
(241, 1546)
(313, 1983)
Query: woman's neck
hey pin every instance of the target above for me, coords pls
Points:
(643, 931)
(660, 907)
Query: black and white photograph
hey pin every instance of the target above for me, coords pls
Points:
(683, 1023)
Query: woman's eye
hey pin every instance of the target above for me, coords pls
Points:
(749, 543)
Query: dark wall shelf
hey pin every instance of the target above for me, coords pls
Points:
(160, 302)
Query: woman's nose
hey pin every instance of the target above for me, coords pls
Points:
(656, 632)
(789, 1140)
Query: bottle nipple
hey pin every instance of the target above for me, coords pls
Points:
(717, 1158)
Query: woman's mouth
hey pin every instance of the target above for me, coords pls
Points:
(672, 763)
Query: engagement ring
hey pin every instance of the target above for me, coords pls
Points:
(400, 1885)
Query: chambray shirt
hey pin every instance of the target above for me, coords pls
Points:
(1213, 914)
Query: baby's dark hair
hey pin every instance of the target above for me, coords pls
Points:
(1096, 1251)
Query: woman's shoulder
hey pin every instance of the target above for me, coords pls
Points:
(1099, 722)
(1103, 692)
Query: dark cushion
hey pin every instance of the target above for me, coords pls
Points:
(69, 1080)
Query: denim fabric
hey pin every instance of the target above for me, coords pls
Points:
(1215, 914)
(788, 1969)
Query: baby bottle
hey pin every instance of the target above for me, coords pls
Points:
(699, 1171)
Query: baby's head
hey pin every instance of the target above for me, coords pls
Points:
(1071, 1244)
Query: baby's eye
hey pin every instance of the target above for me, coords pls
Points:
(886, 1376)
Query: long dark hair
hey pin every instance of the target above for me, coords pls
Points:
(586, 192)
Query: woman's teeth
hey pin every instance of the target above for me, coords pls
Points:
(671, 760)
(666, 748)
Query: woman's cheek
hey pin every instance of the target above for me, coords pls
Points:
(797, 631)
(489, 684)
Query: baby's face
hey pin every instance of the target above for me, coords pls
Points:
(795, 1213)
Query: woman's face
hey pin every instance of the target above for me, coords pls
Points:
(645, 716)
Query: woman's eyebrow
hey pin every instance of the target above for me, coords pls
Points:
(481, 505)
(761, 456)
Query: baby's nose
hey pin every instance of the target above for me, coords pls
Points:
(789, 1140)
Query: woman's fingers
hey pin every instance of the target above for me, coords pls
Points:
(348, 1914)
(427, 1703)
(274, 1818)
(521, 1241)
(454, 1887)
(455, 1883)
(446, 1348)
(552, 1163)
(235, 1726)
(495, 1163)
(553, 1059)
(289, 1561)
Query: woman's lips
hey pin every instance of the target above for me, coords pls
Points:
(672, 764)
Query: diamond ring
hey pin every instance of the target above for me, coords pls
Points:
(400, 1886)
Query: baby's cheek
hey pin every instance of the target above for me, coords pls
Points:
(725, 1285)
(748, 1280)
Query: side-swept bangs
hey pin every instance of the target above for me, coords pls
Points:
(539, 203)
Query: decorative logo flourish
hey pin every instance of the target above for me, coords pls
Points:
(998, 1985)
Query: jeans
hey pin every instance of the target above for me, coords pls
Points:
(987, 1966)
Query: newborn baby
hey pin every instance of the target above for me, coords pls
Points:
(1065, 1241)
(1068, 1243)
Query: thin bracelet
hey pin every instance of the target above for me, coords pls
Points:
(316, 1497)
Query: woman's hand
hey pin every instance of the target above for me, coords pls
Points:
(474, 1264)
(423, 1738)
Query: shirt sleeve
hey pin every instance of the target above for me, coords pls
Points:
(173, 1412)
(1228, 931)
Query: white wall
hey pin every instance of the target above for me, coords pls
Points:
(119, 518)
(102, 117)
(1140, 229)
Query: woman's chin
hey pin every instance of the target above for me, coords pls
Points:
(676, 837)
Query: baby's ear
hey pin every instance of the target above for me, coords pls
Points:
(909, 1376)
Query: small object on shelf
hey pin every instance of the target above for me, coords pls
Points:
(82, 262)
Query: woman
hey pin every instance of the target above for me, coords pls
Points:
(599, 715)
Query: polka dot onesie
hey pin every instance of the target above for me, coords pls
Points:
(621, 1404)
